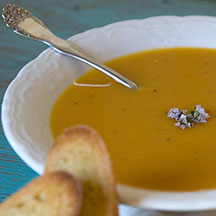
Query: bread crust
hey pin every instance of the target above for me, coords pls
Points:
(88, 153)
(54, 194)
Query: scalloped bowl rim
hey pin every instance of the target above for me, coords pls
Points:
(17, 103)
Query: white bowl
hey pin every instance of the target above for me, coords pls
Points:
(29, 98)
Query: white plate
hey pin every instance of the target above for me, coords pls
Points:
(29, 98)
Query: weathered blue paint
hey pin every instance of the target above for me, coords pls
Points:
(66, 18)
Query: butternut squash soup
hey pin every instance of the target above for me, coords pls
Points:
(147, 149)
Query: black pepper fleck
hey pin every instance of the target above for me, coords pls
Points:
(154, 174)
(168, 139)
(115, 130)
(91, 96)
(204, 72)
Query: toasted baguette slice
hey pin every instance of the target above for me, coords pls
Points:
(82, 152)
(54, 194)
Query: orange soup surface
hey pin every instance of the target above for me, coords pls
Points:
(147, 150)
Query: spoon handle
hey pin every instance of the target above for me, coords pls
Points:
(67, 49)
(23, 23)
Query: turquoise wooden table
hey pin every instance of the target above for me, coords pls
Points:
(66, 18)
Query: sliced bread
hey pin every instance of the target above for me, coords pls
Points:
(82, 152)
(54, 194)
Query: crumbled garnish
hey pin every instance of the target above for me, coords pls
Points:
(174, 113)
(184, 120)
(199, 115)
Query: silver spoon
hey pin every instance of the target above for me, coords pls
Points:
(23, 23)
